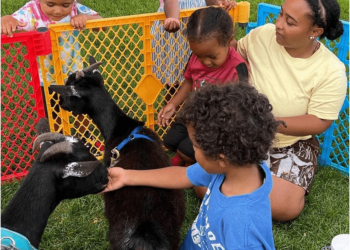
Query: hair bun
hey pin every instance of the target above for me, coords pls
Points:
(334, 32)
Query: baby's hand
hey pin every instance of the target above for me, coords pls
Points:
(227, 4)
(164, 115)
(9, 25)
(171, 24)
(79, 22)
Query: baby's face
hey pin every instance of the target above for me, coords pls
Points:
(56, 10)
(209, 52)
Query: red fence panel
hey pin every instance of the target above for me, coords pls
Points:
(21, 102)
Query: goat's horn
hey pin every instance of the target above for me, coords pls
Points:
(46, 137)
(79, 74)
(92, 67)
(61, 147)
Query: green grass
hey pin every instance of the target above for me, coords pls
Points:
(111, 8)
(80, 223)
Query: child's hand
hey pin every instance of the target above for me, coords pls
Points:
(9, 25)
(79, 22)
(116, 179)
(165, 114)
(226, 4)
(171, 24)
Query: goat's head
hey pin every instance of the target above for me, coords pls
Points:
(76, 170)
(79, 86)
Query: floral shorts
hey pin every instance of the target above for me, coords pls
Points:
(296, 163)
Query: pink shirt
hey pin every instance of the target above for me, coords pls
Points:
(31, 14)
(199, 73)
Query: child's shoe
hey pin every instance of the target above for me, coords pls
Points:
(176, 161)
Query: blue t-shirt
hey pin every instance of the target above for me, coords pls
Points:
(235, 222)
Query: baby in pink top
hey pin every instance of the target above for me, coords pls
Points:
(209, 33)
(213, 61)
(41, 13)
(201, 74)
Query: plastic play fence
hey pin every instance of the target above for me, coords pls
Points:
(334, 142)
(21, 99)
(142, 67)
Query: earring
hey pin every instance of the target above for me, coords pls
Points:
(312, 37)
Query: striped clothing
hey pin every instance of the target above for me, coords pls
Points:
(171, 49)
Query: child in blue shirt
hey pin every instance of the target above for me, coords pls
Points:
(231, 128)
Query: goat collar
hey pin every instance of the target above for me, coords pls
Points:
(133, 135)
(14, 240)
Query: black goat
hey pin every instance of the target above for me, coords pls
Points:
(139, 217)
(63, 169)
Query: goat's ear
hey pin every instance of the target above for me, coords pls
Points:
(65, 90)
(92, 60)
(42, 126)
(80, 169)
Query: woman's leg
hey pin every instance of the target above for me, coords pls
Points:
(293, 169)
(287, 199)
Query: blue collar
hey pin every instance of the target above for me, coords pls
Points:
(15, 240)
(133, 135)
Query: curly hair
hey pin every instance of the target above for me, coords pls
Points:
(234, 120)
(209, 23)
(325, 14)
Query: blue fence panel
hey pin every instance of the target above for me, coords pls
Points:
(334, 142)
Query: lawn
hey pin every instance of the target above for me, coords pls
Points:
(80, 223)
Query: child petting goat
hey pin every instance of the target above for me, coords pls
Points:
(63, 169)
(139, 217)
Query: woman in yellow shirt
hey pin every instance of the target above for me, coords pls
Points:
(306, 85)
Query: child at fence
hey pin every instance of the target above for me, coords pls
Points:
(40, 13)
(209, 33)
(171, 51)
(232, 128)
(306, 84)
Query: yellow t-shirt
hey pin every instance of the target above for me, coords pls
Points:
(295, 86)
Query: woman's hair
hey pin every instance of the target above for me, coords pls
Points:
(234, 120)
(209, 23)
(325, 14)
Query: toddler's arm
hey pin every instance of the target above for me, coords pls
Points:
(9, 25)
(172, 12)
(167, 112)
(161, 178)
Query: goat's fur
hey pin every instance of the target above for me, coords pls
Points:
(139, 217)
(51, 181)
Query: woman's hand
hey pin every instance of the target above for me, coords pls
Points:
(165, 114)
(79, 21)
(171, 24)
(116, 179)
(9, 25)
